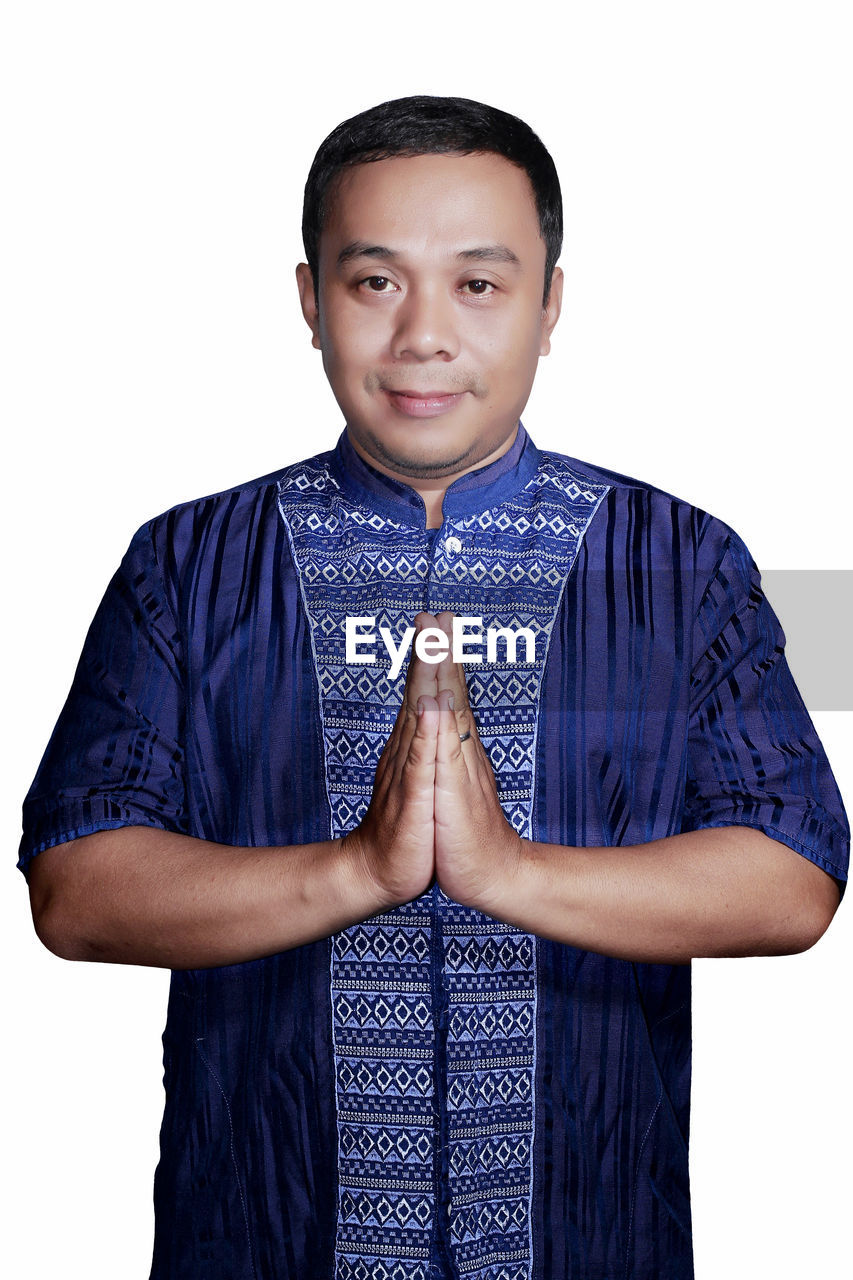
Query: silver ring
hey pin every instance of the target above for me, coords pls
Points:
(463, 737)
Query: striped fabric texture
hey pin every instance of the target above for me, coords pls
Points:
(432, 1093)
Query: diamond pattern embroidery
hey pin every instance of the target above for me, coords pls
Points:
(391, 1108)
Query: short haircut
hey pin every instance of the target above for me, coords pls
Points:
(424, 125)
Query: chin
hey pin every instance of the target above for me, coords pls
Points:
(421, 467)
(425, 462)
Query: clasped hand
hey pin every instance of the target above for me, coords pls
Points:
(434, 811)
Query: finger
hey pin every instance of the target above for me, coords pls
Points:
(420, 676)
(450, 675)
(414, 775)
(416, 764)
(450, 758)
(420, 682)
(416, 682)
(423, 745)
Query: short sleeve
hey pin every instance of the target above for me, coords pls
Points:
(754, 757)
(115, 757)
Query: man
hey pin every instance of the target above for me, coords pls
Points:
(426, 765)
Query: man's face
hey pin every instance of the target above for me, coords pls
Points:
(430, 316)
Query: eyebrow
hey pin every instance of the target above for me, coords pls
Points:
(482, 253)
(490, 253)
(363, 249)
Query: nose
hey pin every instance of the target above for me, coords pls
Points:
(425, 326)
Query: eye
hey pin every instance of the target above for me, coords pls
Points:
(376, 284)
(479, 288)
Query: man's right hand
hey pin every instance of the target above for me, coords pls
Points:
(394, 845)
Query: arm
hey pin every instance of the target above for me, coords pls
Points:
(727, 891)
(141, 895)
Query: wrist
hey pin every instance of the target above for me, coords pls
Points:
(507, 888)
(359, 883)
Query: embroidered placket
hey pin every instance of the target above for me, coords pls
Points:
(434, 1083)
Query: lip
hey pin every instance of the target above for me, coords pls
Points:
(423, 404)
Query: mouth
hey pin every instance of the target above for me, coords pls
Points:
(423, 404)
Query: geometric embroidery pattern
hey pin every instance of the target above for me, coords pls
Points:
(433, 1003)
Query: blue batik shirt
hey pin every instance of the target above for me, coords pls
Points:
(431, 1092)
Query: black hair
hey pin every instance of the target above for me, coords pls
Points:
(423, 125)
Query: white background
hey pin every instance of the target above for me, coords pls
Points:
(153, 159)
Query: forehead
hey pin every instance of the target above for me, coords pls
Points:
(411, 202)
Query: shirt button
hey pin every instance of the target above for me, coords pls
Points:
(452, 545)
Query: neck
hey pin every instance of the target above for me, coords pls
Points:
(433, 498)
(433, 488)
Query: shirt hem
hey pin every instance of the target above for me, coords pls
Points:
(75, 833)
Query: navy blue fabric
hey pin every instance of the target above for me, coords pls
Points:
(666, 705)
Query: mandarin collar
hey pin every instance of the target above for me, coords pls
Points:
(470, 495)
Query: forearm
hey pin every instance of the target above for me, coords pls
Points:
(730, 891)
(143, 896)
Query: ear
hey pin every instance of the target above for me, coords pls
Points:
(551, 311)
(308, 302)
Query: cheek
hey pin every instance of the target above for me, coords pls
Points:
(355, 340)
(508, 348)
(345, 350)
